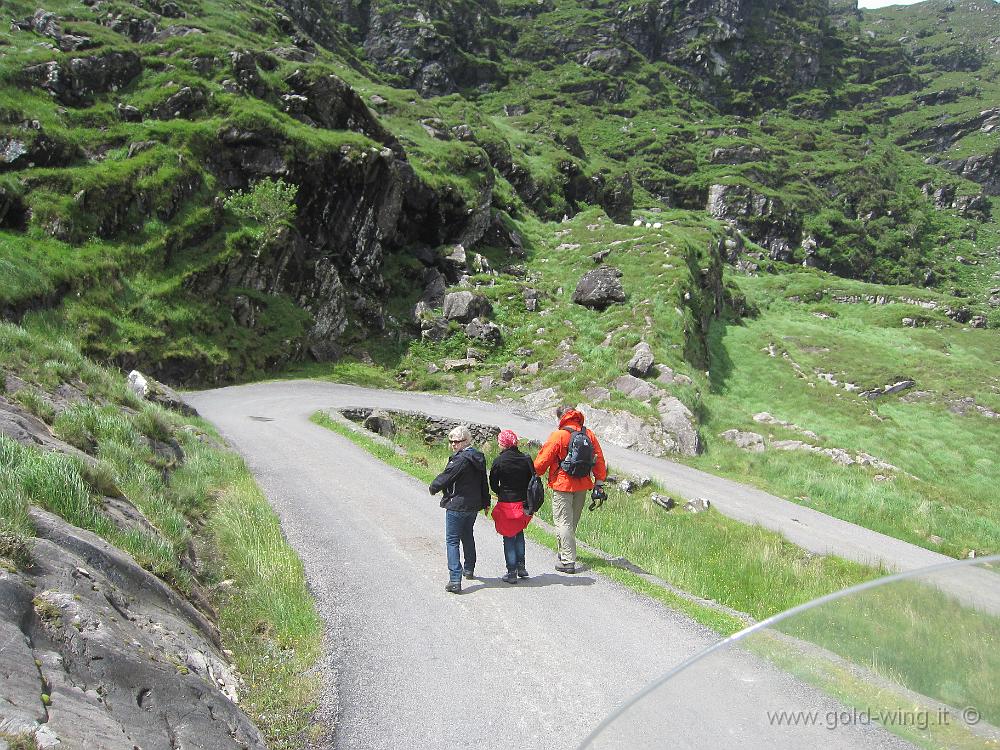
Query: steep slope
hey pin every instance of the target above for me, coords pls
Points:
(126, 127)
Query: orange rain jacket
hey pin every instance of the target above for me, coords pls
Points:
(555, 450)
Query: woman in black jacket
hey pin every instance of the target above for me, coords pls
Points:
(509, 476)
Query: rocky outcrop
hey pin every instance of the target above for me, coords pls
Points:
(100, 653)
(642, 360)
(77, 80)
(762, 218)
(982, 168)
(48, 24)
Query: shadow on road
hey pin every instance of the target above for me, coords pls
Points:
(545, 579)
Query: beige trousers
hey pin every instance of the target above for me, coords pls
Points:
(567, 507)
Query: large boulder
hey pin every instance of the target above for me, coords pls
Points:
(600, 288)
(642, 360)
(465, 306)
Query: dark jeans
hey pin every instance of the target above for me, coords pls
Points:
(458, 526)
(513, 550)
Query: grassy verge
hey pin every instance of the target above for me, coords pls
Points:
(745, 568)
(193, 492)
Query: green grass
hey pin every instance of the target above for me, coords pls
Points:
(742, 567)
(946, 486)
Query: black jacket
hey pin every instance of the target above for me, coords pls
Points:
(510, 474)
(464, 482)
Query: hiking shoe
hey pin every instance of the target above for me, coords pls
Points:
(470, 574)
(522, 572)
(453, 587)
(566, 567)
(511, 577)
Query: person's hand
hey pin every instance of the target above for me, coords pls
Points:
(598, 496)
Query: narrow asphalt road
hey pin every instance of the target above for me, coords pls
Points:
(536, 665)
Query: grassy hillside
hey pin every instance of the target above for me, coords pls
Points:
(217, 191)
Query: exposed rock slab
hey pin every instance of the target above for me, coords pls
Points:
(126, 661)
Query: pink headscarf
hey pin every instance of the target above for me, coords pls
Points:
(507, 439)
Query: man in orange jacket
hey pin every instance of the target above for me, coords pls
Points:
(568, 492)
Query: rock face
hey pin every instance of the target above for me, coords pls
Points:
(437, 48)
(724, 43)
(123, 659)
(600, 288)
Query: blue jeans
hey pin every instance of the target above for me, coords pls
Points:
(513, 550)
(458, 526)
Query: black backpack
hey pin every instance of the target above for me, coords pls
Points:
(580, 458)
(535, 495)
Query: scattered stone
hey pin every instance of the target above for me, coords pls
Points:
(532, 368)
(600, 288)
(596, 393)
(748, 441)
(523, 351)
(642, 360)
(667, 503)
(628, 486)
(568, 362)
(473, 353)
(432, 368)
(459, 365)
(887, 390)
(698, 505)
(507, 372)
(434, 329)
(601, 256)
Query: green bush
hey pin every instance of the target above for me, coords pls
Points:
(269, 203)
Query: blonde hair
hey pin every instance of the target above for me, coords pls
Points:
(460, 434)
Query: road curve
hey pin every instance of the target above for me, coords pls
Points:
(536, 665)
(808, 528)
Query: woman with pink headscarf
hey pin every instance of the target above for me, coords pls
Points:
(509, 476)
